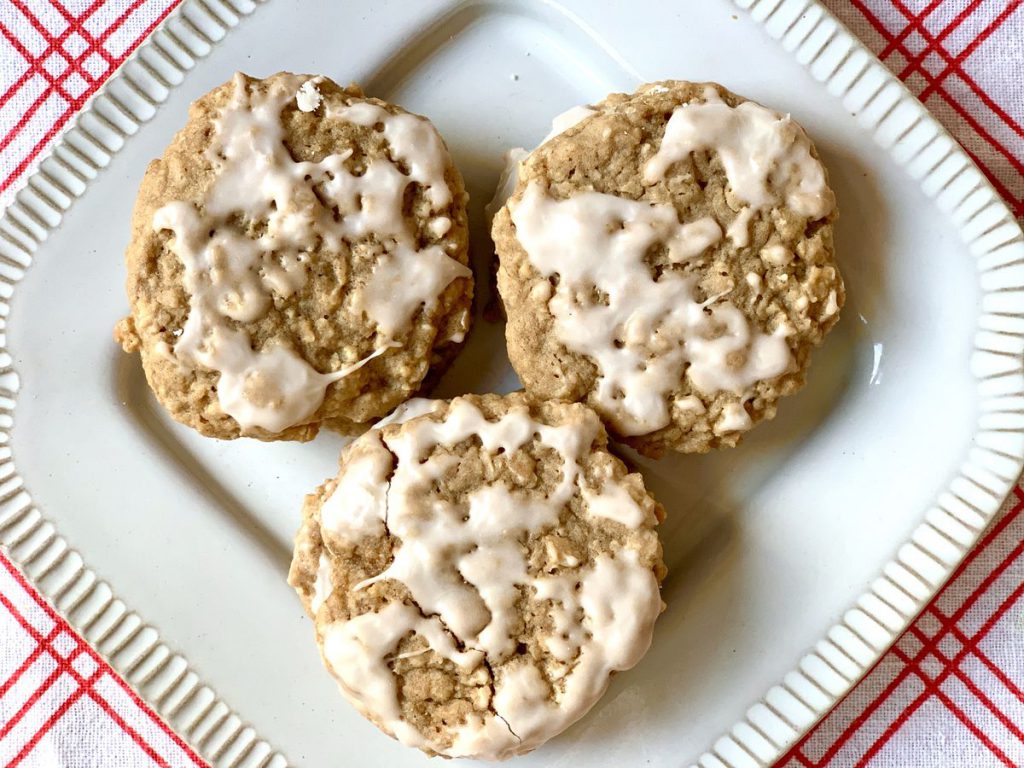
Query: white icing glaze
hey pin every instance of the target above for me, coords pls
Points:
(440, 226)
(510, 171)
(465, 564)
(402, 281)
(734, 419)
(776, 254)
(739, 358)
(273, 388)
(831, 304)
(410, 409)
(506, 181)
(767, 157)
(348, 645)
(413, 141)
(643, 331)
(566, 120)
(356, 509)
(308, 97)
(567, 634)
(230, 277)
(690, 403)
(739, 229)
(614, 502)
(619, 601)
(322, 586)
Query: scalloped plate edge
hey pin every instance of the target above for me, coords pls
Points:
(881, 105)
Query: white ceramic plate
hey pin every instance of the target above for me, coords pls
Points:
(795, 559)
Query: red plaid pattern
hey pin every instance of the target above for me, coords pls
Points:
(951, 691)
(61, 704)
(956, 674)
(962, 58)
(55, 54)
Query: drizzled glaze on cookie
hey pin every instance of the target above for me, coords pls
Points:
(642, 331)
(648, 329)
(302, 206)
(767, 158)
(469, 565)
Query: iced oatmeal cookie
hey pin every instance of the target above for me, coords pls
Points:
(477, 572)
(666, 257)
(298, 259)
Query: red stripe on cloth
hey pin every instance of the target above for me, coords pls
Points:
(53, 44)
(993, 669)
(975, 730)
(9, 726)
(86, 648)
(914, 61)
(916, 25)
(130, 692)
(56, 715)
(28, 73)
(119, 22)
(971, 47)
(860, 719)
(953, 103)
(37, 148)
(931, 689)
(56, 86)
(77, 25)
(990, 103)
(37, 694)
(935, 46)
(932, 686)
(124, 726)
(64, 666)
(74, 103)
(910, 662)
(893, 727)
(29, 660)
(952, 668)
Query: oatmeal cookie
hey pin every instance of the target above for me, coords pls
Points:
(477, 572)
(298, 259)
(666, 257)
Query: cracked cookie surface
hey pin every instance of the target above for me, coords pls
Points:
(477, 572)
(667, 258)
(298, 259)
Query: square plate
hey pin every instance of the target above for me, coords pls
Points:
(794, 560)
